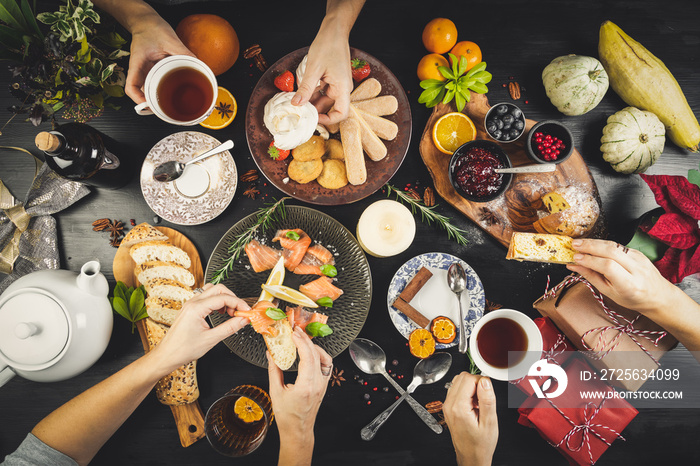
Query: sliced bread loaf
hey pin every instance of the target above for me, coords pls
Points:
(151, 270)
(163, 310)
(142, 232)
(537, 247)
(169, 289)
(281, 346)
(159, 251)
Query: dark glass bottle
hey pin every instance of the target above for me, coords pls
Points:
(79, 152)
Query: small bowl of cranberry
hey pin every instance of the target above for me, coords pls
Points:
(549, 142)
(472, 171)
(504, 122)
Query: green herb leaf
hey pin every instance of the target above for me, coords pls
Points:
(449, 95)
(479, 88)
(477, 68)
(121, 308)
(293, 235)
(11, 14)
(317, 329)
(694, 177)
(275, 313)
(650, 247)
(437, 99)
(460, 102)
(30, 19)
(473, 368)
(446, 72)
(483, 77)
(429, 95)
(329, 270)
(120, 291)
(47, 18)
(455, 65)
(325, 302)
(431, 83)
(462, 65)
(136, 302)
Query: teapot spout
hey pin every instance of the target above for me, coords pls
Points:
(91, 280)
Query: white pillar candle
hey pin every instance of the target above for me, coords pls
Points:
(386, 228)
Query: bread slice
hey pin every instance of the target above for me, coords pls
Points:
(142, 232)
(180, 386)
(151, 270)
(573, 212)
(169, 289)
(537, 247)
(281, 346)
(163, 310)
(159, 251)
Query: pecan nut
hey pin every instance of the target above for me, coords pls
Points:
(413, 194)
(434, 407)
(255, 52)
(250, 176)
(429, 197)
(101, 224)
(514, 90)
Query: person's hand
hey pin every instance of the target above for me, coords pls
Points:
(624, 275)
(296, 405)
(190, 336)
(470, 413)
(152, 39)
(329, 61)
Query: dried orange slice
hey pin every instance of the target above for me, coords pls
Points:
(224, 111)
(453, 130)
(421, 343)
(443, 329)
(247, 410)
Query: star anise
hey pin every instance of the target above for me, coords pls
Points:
(115, 228)
(491, 306)
(224, 109)
(115, 241)
(488, 217)
(337, 377)
(251, 192)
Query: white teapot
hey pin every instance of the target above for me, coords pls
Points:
(54, 324)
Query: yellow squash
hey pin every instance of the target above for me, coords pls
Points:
(643, 81)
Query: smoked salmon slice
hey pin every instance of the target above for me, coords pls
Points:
(261, 257)
(300, 317)
(294, 250)
(257, 317)
(321, 288)
(315, 257)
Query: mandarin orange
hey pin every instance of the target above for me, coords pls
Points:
(428, 66)
(440, 35)
(468, 50)
(212, 39)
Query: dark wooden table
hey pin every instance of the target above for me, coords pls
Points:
(518, 40)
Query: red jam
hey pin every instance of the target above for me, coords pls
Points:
(475, 172)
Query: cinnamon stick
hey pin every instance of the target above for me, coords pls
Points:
(415, 284)
(411, 312)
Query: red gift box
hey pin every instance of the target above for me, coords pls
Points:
(556, 349)
(580, 429)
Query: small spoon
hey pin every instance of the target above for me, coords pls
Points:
(457, 281)
(427, 371)
(370, 359)
(172, 170)
(539, 168)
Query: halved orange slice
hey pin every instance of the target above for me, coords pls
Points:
(247, 410)
(421, 343)
(453, 130)
(224, 111)
(443, 329)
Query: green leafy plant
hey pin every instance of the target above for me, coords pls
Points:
(329, 270)
(275, 313)
(458, 84)
(129, 302)
(73, 68)
(317, 329)
(325, 302)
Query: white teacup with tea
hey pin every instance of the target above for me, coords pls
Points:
(180, 90)
(504, 344)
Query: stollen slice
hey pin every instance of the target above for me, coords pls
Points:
(537, 247)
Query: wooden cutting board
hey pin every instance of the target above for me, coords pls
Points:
(497, 217)
(189, 418)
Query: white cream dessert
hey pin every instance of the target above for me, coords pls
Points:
(301, 69)
(289, 124)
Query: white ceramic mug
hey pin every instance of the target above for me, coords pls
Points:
(160, 70)
(534, 345)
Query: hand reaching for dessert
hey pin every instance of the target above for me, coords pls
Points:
(296, 405)
(470, 413)
(190, 336)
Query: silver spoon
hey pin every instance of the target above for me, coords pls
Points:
(172, 170)
(457, 281)
(427, 370)
(539, 168)
(370, 359)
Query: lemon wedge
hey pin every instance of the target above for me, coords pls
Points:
(276, 278)
(290, 295)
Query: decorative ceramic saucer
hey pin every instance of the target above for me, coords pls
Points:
(203, 191)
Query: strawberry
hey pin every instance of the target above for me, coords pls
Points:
(275, 153)
(285, 81)
(360, 69)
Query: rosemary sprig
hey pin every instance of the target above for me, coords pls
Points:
(473, 368)
(428, 215)
(266, 217)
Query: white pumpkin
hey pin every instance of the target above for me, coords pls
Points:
(632, 140)
(575, 84)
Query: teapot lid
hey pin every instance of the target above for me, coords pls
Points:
(34, 329)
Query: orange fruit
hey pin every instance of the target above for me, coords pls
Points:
(428, 66)
(468, 50)
(224, 111)
(212, 39)
(421, 343)
(440, 35)
(452, 130)
(247, 410)
(443, 329)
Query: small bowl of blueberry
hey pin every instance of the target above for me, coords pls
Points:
(549, 142)
(472, 170)
(505, 122)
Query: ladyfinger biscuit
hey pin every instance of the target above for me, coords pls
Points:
(380, 106)
(385, 129)
(350, 135)
(375, 148)
(368, 89)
